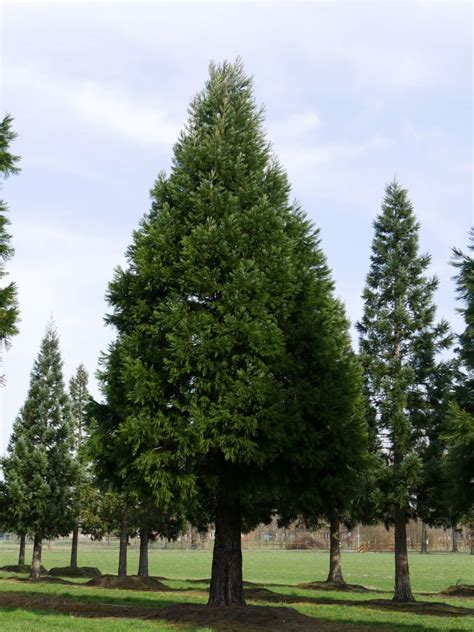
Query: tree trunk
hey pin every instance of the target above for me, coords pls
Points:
(454, 548)
(75, 540)
(143, 560)
(335, 570)
(424, 538)
(122, 567)
(35, 571)
(21, 553)
(226, 579)
(471, 537)
(402, 572)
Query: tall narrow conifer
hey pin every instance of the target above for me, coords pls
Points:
(79, 398)
(39, 470)
(399, 341)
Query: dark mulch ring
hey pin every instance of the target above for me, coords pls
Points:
(23, 568)
(131, 582)
(80, 571)
(459, 590)
(221, 619)
(331, 586)
(419, 607)
(250, 619)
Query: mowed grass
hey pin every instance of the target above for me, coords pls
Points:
(278, 571)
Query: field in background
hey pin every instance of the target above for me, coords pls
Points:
(277, 571)
(430, 573)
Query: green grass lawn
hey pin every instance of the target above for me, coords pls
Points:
(278, 571)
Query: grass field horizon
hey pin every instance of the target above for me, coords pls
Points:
(276, 574)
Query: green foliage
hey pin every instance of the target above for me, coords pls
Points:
(459, 431)
(39, 471)
(79, 398)
(399, 344)
(231, 347)
(464, 263)
(8, 294)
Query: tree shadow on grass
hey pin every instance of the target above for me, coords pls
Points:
(227, 619)
(419, 607)
(256, 593)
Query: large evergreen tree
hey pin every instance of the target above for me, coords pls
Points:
(399, 342)
(8, 293)
(206, 309)
(39, 470)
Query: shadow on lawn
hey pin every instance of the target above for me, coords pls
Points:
(419, 607)
(229, 619)
(253, 592)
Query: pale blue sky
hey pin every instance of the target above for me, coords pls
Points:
(355, 93)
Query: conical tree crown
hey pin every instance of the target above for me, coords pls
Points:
(399, 339)
(216, 275)
(39, 470)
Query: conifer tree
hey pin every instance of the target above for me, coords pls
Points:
(39, 470)
(399, 341)
(8, 294)
(205, 311)
(79, 398)
(459, 431)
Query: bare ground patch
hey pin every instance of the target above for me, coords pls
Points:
(80, 571)
(334, 587)
(22, 568)
(459, 590)
(131, 582)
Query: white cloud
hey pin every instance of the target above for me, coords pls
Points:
(294, 126)
(100, 104)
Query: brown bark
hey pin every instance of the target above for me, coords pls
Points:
(402, 572)
(335, 569)
(471, 537)
(21, 552)
(454, 548)
(143, 559)
(75, 541)
(35, 570)
(122, 567)
(226, 579)
(424, 538)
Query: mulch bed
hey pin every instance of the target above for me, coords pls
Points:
(459, 590)
(24, 568)
(131, 582)
(80, 571)
(334, 587)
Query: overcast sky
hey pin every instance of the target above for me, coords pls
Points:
(355, 94)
